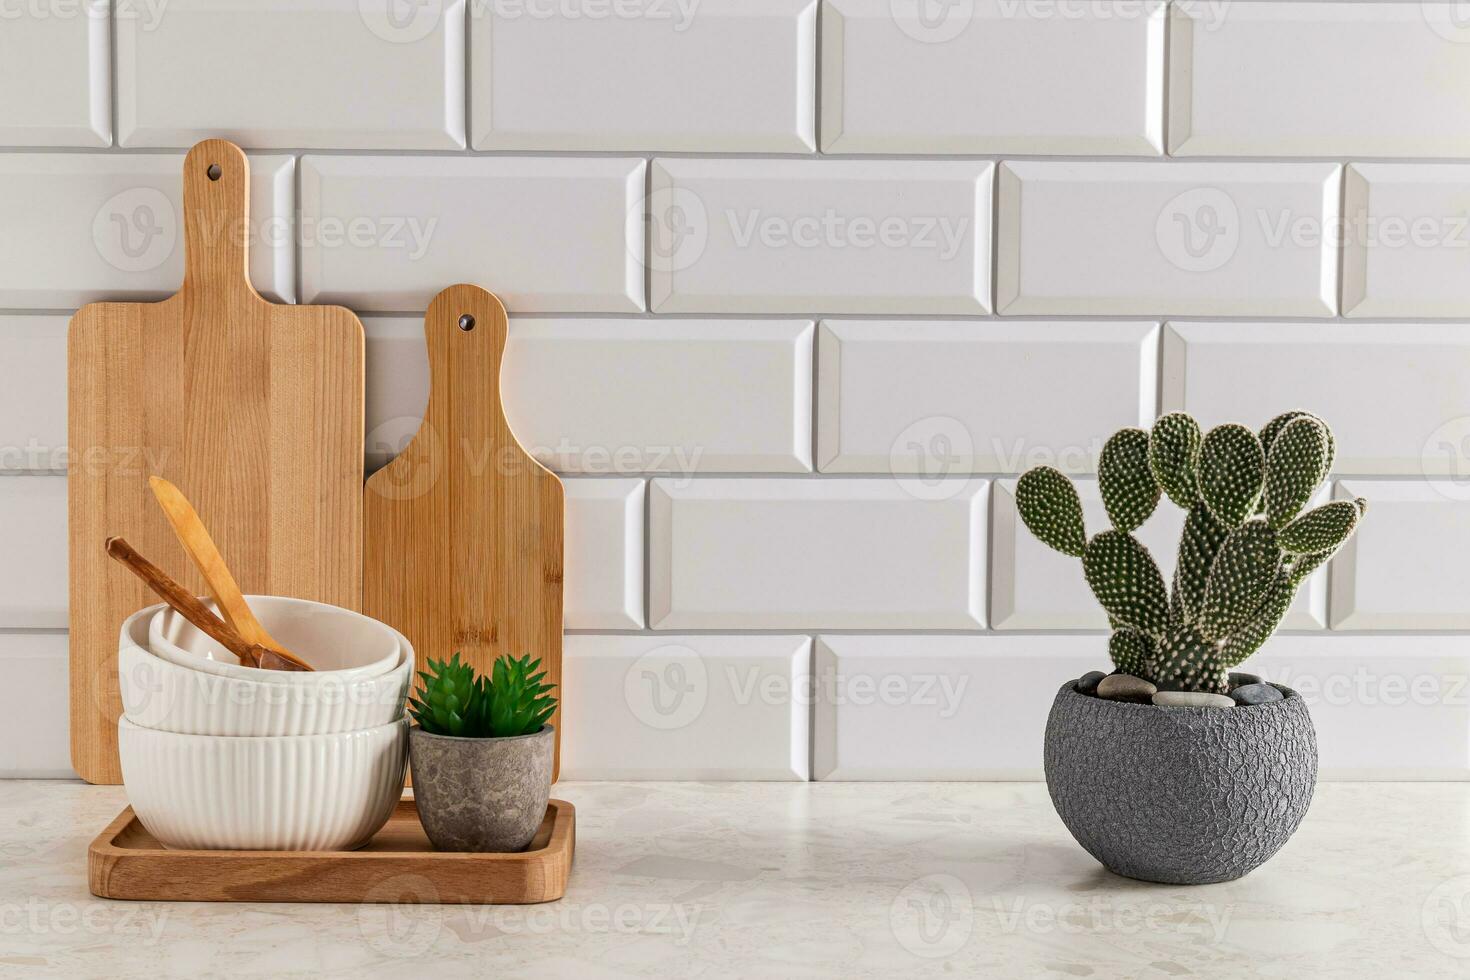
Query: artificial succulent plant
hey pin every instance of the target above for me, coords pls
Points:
(513, 700)
(1245, 549)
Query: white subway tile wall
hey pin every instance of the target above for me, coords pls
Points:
(797, 289)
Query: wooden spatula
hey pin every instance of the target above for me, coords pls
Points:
(194, 536)
(196, 612)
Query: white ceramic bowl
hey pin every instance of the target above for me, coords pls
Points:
(284, 793)
(157, 693)
(335, 641)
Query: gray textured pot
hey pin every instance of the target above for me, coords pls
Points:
(1180, 795)
(481, 794)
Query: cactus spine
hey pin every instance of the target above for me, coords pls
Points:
(1245, 550)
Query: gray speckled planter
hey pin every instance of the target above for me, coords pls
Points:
(481, 794)
(1180, 795)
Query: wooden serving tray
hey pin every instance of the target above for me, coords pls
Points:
(398, 865)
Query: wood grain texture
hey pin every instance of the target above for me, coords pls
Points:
(253, 409)
(463, 530)
(397, 865)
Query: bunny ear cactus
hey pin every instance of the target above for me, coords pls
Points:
(1245, 550)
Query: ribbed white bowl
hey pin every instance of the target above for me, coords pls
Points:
(285, 793)
(159, 694)
(337, 642)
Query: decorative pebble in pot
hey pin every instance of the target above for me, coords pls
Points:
(1172, 768)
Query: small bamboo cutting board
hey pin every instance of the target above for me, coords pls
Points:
(463, 529)
(253, 409)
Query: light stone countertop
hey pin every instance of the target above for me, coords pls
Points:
(797, 879)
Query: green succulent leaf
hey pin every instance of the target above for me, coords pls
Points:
(1127, 582)
(1051, 509)
(1132, 652)
(1240, 579)
(513, 700)
(1173, 456)
(1129, 491)
(1296, 465)
(1325, 528)
(1232, 472)
(1198, 545)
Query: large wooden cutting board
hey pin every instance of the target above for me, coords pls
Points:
(253, 409)
(464, 529)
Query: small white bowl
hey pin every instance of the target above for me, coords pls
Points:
(157, 693)
(335, 641)
(285, 793)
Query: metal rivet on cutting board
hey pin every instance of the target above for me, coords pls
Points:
(214, 171)
(466, 323)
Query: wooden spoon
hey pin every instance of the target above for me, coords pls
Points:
(195, 538)
(196, 612)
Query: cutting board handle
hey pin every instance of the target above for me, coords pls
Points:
(465, 330)
(216, 218)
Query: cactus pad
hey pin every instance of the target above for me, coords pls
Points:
(1198, 545)
(1232, 471)
(1126, 581)
(1242, 574)
(1052, 510)
(1322, 529)
(1173, 455)
(1129, 491)
(1132, 652)
(1187, 661)
(1248, 638)
(1295, 466)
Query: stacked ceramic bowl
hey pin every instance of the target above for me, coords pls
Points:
(219, 755)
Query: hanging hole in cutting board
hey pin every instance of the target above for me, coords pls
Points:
(214, 171)
(467, 323)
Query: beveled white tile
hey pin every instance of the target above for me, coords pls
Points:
(34, 740)
(1036, 587)
(833, 236)
(1406, 238)
(816, 554)
(544, 234)
(660, 396)
(902, 396)
(607, 397)
(1384, 708)
(33, 397)
(1237, 239)
(700, 75)
(1325, 79)
(33, 578)
(686, 707)
(604, 554)
(345, 74)
(82, 227)
(901, 707)
(56, 73)
(1404, 568)
(1087, 79)
(1394, 394)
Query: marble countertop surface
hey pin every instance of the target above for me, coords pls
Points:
(797, 880)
